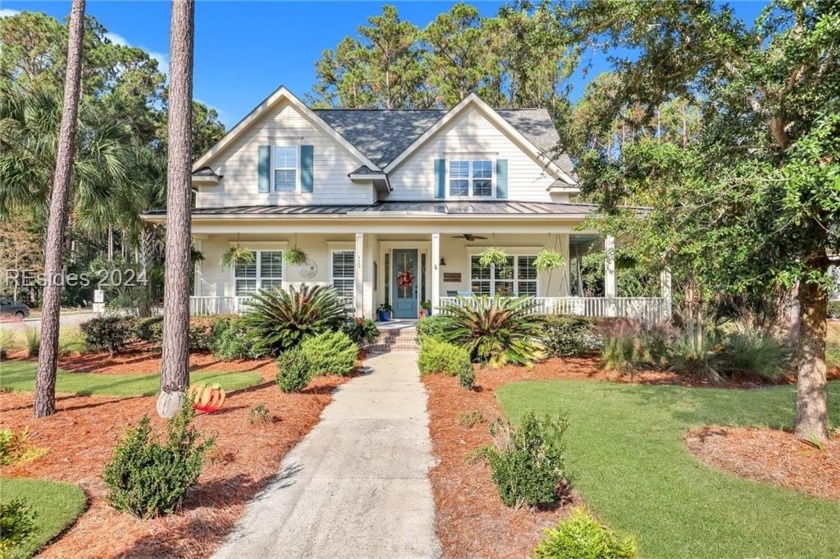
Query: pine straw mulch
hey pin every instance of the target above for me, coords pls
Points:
(79, 439)
(471, 519)
(771, 456)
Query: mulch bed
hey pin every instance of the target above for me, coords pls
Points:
(79, 439)
(471, 519)
(771, 456)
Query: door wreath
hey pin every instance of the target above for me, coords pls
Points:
(405, 278)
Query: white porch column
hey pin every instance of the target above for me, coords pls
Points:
(368, 263)
(609, 273)
(435, 257)
(359, 276)
(197, 279)
(665, 283)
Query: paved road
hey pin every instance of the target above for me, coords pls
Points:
(357, 486)
(66, 319)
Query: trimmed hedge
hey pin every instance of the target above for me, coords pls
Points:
(441, 357)
(330, 353)
(570, 336)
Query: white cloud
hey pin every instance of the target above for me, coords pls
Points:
(162, 59)
(7, 12)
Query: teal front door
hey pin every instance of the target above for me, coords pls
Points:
(405, 282)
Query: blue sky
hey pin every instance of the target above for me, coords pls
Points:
(245, 50)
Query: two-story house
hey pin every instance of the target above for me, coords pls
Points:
(393, 206)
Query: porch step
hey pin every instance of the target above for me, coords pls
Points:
(394, 339)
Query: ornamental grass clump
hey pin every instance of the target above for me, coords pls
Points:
(527, 461)
(496, 331)
(148, 476)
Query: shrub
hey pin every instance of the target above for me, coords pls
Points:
(15, 447)
(258, 415)
(570, 336)
(149, 329)
(106, 333)
(201, 333)
(431, 327)
(6, 341)
(293, 374)
(279, 319)
(753, 353)
(466, 376)
(230, 339)
(442, 357)
(148, 477)
(581, 537)
(496, 330)
(527, 462)
(33, 342)
(360, 330)
(833, 309)
(17, 525)
(330, 353)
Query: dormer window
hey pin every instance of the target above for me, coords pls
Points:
(471, 178)
(285, 168)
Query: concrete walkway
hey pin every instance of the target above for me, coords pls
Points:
(357, 486)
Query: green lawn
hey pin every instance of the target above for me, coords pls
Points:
(627, 458)
(19, 376)
(57, 505)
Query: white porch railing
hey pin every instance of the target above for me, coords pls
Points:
(649, 310)
(208, 305)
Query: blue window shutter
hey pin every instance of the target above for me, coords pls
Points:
(440, 178)
(501, 178)
(306, 157)
(264, 168)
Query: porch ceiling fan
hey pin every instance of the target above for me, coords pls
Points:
(469, 237)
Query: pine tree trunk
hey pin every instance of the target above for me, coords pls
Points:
(811, 405)
(176, 298)
(47, 356)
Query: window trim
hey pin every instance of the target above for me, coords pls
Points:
(470, 179)
(274, 168)
(258, 277)
(514, 280)
(333, 252)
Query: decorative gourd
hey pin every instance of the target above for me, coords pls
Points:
(207, 399)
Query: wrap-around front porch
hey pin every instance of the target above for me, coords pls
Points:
(414, 273)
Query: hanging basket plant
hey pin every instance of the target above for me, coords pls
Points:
(295, 257)
(237, 254)
(492, 255)
(548, 259)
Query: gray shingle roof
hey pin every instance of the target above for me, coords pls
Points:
(438, 207)
(382, 135)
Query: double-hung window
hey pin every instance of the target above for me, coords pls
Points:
(264, 272)
(285, 168)
(471, 178)
(517, 276)
(343, 266)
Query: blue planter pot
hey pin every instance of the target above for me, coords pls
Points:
(384, 316)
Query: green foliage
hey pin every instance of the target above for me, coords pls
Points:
(442, 357)
(7, 338)
(107, 333)
(466, 376)
(238, 254)
(295, 257)
(492, 256)
(149, 329)
(17, 525)
(15, 448)
(33, 342)
(431, 327)
(570, 336)
(201, 333)
(753, 353)
(469, 419)
(496, 330)
(230, 339)
(293, 374)
(329, 353)
(279, 319)
(360, 330)
(148, 477)
(580, 536)
(549, 260)
(527, 461)
(833, 310)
